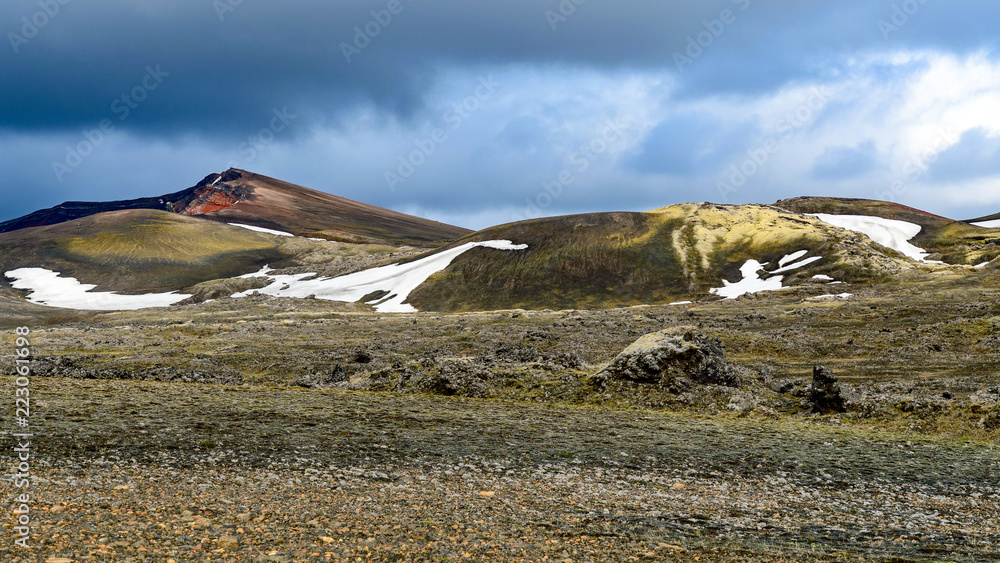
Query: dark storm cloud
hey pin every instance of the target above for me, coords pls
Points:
(228, 65)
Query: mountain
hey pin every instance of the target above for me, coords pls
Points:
(954, 242)
(682, 251)
(238, 196)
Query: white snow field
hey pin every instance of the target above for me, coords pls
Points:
(994, 224)
(48, 288)
(263, 230)
(832, 296)
(822, 277)
(887, 232)
(398, 280)
(752, 282)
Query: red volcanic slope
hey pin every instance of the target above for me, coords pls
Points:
(238, 196)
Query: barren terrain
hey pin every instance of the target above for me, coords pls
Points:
(301, 430)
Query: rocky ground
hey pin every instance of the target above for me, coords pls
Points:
(141, 471)
(302, 430)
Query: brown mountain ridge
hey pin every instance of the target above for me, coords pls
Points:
(239, 196)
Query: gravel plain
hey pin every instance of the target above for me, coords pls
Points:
(154, 471)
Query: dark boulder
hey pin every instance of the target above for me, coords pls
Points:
(825, 393)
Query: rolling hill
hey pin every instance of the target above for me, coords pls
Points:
(139, 250)
(602, 260)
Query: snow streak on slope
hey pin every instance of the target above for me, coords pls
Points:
(887, 232)
(796, 265)
(48, 288)
(263, 230)
(994, 224)
(792, 256)
(397, 280)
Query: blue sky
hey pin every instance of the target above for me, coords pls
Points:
(478, 113)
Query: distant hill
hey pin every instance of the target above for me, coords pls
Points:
(238, 196)
(955, 242)
(994, 217)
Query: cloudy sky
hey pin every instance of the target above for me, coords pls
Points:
(478, 113)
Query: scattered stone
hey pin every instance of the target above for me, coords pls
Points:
(201, 524)
(322, 381)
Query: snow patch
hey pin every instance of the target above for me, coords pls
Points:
(994, 224)
(822, 277)
(832, 296)
(263, 230)
(48, 288)
(751, 282)
(796, 265)
(681, 303)
(397, 280)
(793, 256)
(891, 233)
(983, 265)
